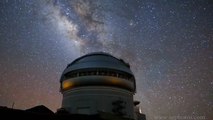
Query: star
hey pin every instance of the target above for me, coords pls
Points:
(166, 43)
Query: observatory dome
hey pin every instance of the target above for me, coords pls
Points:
(98, 69)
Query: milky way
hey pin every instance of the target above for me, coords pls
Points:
(167, 43)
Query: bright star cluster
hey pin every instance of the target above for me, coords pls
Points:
(168, 44)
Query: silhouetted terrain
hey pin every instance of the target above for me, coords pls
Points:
(43, 113)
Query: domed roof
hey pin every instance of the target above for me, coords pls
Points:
(98, 69)
(98, 60)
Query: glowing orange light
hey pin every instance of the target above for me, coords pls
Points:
(67, 85)
(115, 81)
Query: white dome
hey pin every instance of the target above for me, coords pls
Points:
(97, 69)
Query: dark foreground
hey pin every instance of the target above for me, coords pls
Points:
(43, 113)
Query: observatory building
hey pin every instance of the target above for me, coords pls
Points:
(99, 82)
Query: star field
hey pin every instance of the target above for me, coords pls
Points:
(168, 44)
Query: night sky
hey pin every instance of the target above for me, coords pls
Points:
(168, 44)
